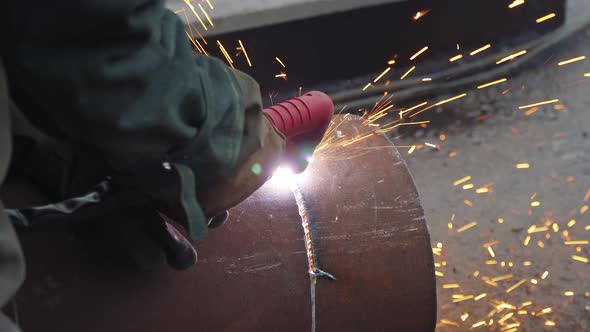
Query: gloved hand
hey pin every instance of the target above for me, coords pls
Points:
(143, 233)
(292, 131)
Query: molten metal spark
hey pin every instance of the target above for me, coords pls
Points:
(456, 57)
(567, 62)
(417, 54)
(515, 3)
(545, 18)
(408, 72)
(225, 54)
(245, 53)
(401, 113)
(552, 101)
(449, 286)
(440, 103)
(280, 62)
(466, 227)
(382, 74)
(511, 57)
(481, 49)
(192, 8)
(465, 179)
(206, 15)
(421, 14)
(196, 44)
(515, 286)
(580, 259)
(502, 80)
(569, 243)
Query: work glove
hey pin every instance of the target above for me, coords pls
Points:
(147, 234)
(292, 130)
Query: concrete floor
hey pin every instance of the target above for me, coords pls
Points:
(555, 142)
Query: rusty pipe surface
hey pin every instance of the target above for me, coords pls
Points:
(367, 228)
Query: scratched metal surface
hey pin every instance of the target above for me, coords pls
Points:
(368, 230)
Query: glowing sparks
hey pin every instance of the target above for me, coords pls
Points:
(225, 54)
(584, 208)
(466, 227)
(504, 277)
(468, 186)
(192, 8)
(206, 15)
(492, 83)
(545, 18)
(427, 79)
(523, 166)
(483, 191)
(450, 286)
(456, 57)
(367, 86)
(463, 180)
(449, 322)
(440, 103)
(196, 44)
(587, 75)
(492, 253)
(535, 204)
(516, 3)
(580, 259)
(511, 57)
(571, 223)
(580, 242)
(481, 49)
(401, 113)
(478, 324)
(420, 14)
(382, 74)
(549, 323)
(546, 102)
(527, 240)
(567, 62)
(280, 62)
(243, 49)
(408, 72)
(569, 293)
(480, 296)
(515, 286)
(417, 54)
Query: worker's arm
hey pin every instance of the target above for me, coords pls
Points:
(120, 77)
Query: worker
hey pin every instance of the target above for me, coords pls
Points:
(112, 90)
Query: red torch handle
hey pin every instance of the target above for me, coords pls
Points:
(305, 117)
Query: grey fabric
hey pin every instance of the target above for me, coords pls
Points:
(12, 267)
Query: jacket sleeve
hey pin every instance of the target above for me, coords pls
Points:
(121, 78)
